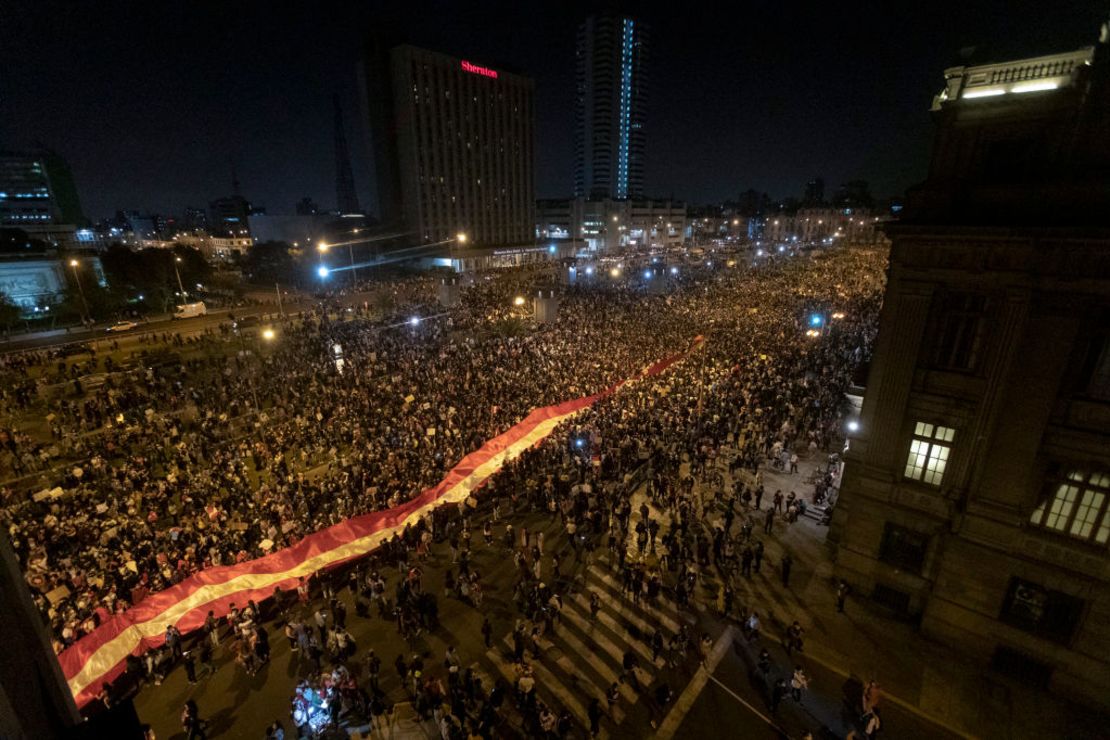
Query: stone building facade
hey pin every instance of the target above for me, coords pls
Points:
(976, 491)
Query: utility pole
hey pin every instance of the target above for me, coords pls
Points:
(277, 289)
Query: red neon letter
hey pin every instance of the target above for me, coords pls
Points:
(476, 70)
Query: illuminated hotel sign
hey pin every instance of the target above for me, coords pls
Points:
(474, 69)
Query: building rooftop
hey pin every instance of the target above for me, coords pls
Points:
(1017, 77)
(1021, 143)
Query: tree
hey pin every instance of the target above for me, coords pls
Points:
(150, 273)
(103, 303)
(271, 262)
(10, 313)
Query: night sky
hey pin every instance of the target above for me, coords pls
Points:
(151, 102)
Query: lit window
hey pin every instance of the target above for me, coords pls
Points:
(1077, 507)
(929, 452)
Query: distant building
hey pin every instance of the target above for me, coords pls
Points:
(300, 229)
(610, 108)
(824, 225)
(853, 194)
(307, 207)
(37, 196)
(229, 216)
(815, 192)
(346, 198)
(142, 226)
(608, 224)
(215, 248)
(453, 147)
(976, 491)
(37, 281)
(194, 219)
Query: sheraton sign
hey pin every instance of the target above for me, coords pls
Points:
(474, 69)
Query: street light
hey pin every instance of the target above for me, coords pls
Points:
(518, 301)
(323, 248)
(80, 288)
(268, 334)
(322, 271)
(461, 237)
(184, 296)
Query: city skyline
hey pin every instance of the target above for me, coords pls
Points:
(208, 90)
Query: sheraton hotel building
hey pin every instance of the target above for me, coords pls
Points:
(452, 141)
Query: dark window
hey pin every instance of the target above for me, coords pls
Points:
(958, 331)
(891, 598)
(1049, 614)
(1020, 666)
(1094, 373)
(903, 548)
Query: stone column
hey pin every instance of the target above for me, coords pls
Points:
(892, 370)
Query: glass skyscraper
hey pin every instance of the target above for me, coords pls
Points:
(610, 106)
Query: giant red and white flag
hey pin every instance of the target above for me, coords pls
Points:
(101, 656)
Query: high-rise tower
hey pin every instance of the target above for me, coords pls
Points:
(452, 146)
(346, 199)
(610, 107)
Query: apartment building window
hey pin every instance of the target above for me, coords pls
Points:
(1052, 615)
(903, 548)
(958, 331)
(929, 451)
(1077, 507)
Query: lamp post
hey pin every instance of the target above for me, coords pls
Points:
(184, 295)
(323, 248)
(268, 335)
(81, 290)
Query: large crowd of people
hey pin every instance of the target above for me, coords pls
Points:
(244, 446)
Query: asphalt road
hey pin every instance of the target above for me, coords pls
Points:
(734, 698)
(46, 340)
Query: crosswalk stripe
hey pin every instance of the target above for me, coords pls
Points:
(658, 611)
(545, 684)
(589, 686)
(607, 621)
(562, 693)
(600, 666)
(577, 677)
(628, 611)
(480, 673)
(636, 620)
